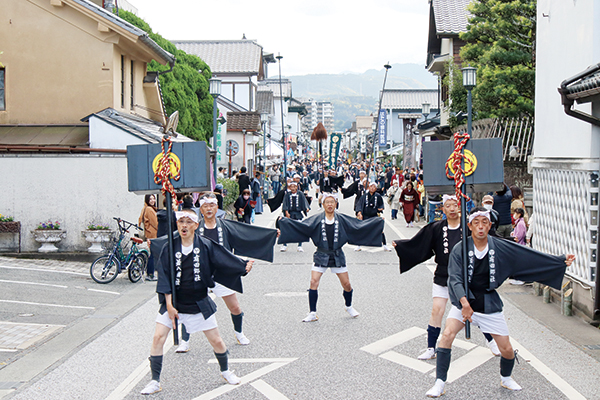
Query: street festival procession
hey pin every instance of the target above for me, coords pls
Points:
(403, 212)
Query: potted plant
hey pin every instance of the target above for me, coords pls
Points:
(97, 234)
(9, 225)
(48, 233)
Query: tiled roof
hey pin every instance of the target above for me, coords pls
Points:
(50, 135)
(264, 101)
(225, 56)
(451, 16)
(237, 121)
(409, 99)
(144, 38)
(587, 86)
(143, 128)
(272, 84)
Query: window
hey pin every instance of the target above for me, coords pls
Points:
(122, 81)
(131, 86)
(2, 92)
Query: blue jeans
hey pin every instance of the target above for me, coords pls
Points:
(276, 187)
(394, 213)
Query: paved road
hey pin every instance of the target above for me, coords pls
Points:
(372, 356)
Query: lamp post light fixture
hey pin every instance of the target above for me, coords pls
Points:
(426, 109)
(264, 119)
(215, 91)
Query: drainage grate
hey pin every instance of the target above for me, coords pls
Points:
(592, 346)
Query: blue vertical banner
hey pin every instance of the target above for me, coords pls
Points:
(334, 149)
(382, 127)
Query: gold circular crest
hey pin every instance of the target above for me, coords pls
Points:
(174, 163)
(470, 163)
(335, 139)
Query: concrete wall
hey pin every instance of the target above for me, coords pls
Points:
(73, 189)
(568, 41)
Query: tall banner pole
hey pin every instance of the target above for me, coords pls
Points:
(172, 263)
(463, 212)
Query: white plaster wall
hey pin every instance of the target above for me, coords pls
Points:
(106, 136)
(568, 41)
(73, 189)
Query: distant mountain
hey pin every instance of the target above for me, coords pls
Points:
(357, 94)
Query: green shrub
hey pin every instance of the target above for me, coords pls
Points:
(232, 189)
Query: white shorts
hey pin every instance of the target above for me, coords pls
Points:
(488, 323)
(193, 322)
(439, 291)
(335, 270)
(221, 291)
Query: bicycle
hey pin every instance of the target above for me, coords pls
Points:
(106, 268)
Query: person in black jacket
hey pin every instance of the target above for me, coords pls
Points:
(502, 200)
(243, 180)
(243, 207)
(199, 263)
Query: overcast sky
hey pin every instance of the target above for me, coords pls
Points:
(313, 36)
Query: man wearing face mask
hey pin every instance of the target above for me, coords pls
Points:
(243, 208)
(488, 203)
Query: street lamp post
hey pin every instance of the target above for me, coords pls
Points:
(264, 118)
(387, 67)
(215, 92)
(469, 82)
(279, 57)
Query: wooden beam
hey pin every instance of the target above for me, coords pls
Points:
(103, 28)
(56, 3)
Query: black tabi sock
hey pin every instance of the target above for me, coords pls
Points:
(155, 367)
(185, 336)
(506, 366)
(443, 363)
(313, 295)
(432, 335)
(348, 297)
(222, 359)
(488, 337)
(237, 322)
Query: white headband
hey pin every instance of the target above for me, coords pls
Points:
(447, 197)
(181, 214)
(293, 183)
(479, 214)
(362, 171)
(372, 183)
(326, 195)
(208, 200)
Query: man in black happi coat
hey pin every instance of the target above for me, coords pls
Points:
(199, 263)
(371, 205)
(490, 262)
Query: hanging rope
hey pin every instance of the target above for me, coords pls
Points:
(163, 173)
(460, 140)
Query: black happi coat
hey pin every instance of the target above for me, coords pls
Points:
(330, 184)
(245, 240)
(506, 259)
(433, 239)
(350, 230)
(217, 264)
(295, 206)
(275, 201)
(369, 205)
(304, 184)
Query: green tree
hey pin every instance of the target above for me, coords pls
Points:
(500, 43)
(185, 89)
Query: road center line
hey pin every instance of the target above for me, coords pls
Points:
(137, 375)
(44, 270)
(547, 373)
(103, 291)
(46, 304)
(394, 340)
(269, 391)
(34, 283)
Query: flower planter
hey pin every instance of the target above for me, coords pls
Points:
(96, 238)
(48, 237)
